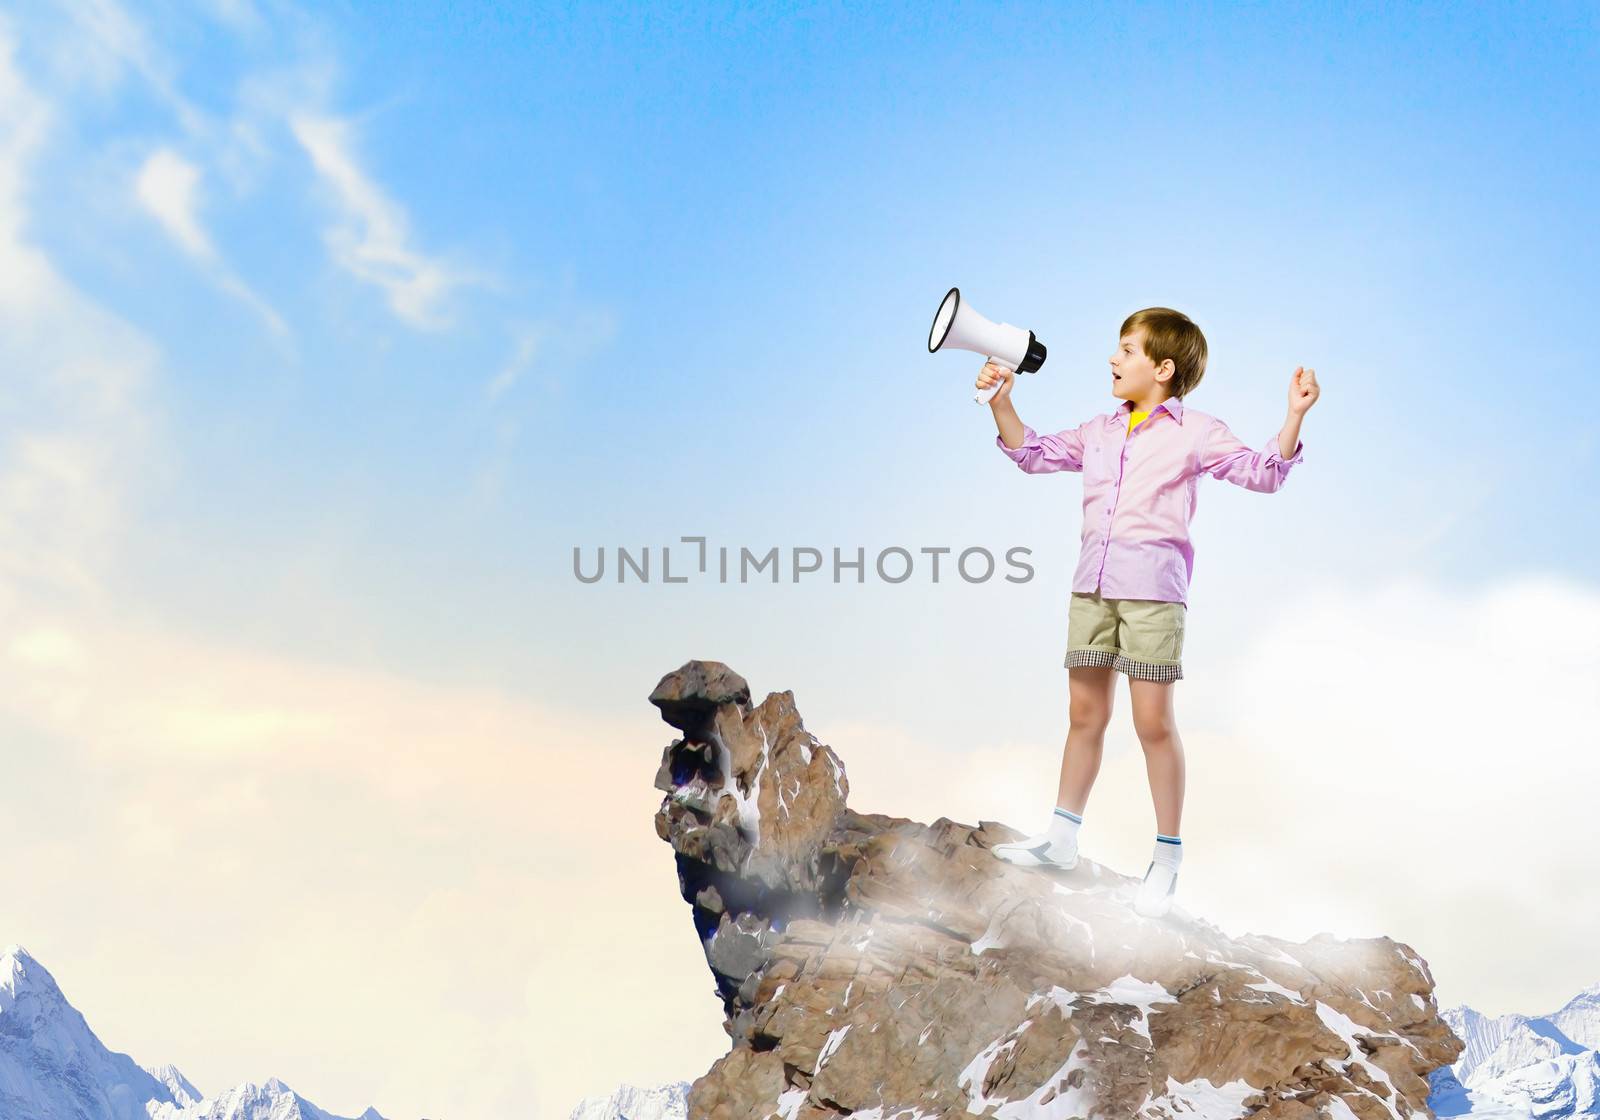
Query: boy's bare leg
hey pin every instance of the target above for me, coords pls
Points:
(1157, 727)
(1091, 689)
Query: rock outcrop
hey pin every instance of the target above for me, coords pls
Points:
(877, 967)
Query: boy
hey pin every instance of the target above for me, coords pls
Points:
(1141, 465)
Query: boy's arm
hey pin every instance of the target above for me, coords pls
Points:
(1034, 453)
(1223, 455)
(1045, 453)
(1039, 454)
(1289, 437)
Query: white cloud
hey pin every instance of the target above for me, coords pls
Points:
(74, 376)
(388, 872)
(562, 348)
(168, 187)
(1405, 760)
(561, 343)
(109, 42)
(373, 242)
(1427, 759)
(241, 15)
(265, 98)
(527, 345)
(382, 871)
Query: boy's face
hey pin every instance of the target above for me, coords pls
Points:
(1134, 376)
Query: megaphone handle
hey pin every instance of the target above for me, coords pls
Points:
(983, 396)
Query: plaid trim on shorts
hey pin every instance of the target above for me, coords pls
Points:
(1141, 669)
(1141, 638)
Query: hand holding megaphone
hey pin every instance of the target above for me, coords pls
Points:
(957, 326)
(996, 380)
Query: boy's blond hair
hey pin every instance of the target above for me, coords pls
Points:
(1171, 334)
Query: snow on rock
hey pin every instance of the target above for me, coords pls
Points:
(53, 1067)
(1200, 1098)
(879, 967)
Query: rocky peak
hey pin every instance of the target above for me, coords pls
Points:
(183, 1091)
(50, 1059)
(21, 975)
(53, 1067)
(1579, 1018)
(878, 966)
(31, 1001)
(629, 1102)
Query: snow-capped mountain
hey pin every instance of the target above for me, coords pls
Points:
(1524, 1066)
(665, 1102)
(272, 1100)
(52, 1067)
(1579, 1020)
(177, 1084)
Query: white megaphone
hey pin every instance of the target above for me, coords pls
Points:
(957, 326)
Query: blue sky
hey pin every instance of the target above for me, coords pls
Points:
(388, 308)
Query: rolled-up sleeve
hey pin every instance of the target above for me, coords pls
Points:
(1039, 454)
(1225, 456)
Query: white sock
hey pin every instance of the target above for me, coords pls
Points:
(1061, 834)
(1155, 894)
(1063, 830)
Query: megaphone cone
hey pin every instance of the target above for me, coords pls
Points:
(956, 326)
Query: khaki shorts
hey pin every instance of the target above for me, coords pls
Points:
(1140, 637)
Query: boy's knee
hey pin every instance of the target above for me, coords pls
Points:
(1090, 715)
(1156, 733)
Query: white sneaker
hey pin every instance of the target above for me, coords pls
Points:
(1038, 851)
(1155, 893)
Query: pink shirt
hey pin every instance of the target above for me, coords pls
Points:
(1139, 491)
